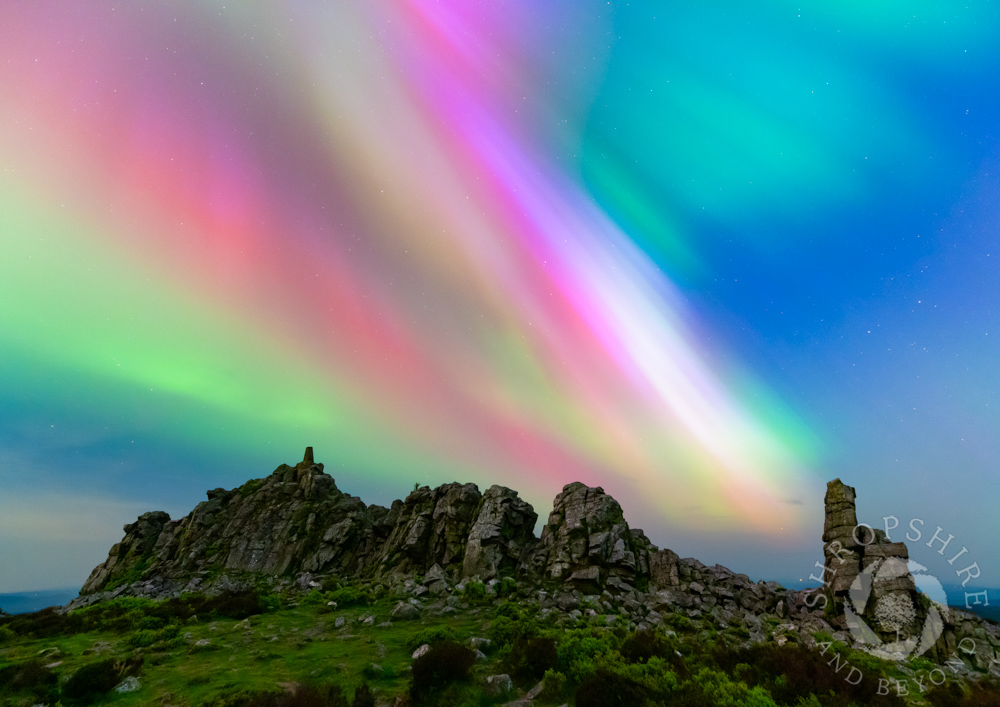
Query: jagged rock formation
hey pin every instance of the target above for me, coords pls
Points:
(295, 527)
(588, 542)
(294, 520)
(298, 521)
(431, 528)
(503, 530)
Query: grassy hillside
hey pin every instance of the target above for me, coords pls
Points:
(253, 649)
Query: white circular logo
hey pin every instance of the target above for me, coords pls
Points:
(892, 611)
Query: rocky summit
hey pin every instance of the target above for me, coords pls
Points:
(297, 522)
(295, 528)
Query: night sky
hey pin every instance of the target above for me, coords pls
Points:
(708, 256)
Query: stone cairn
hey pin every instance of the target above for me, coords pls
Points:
(868, 583)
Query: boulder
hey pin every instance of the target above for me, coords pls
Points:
(499, 685)
(129, 684)
(405, 611)
(587, 540)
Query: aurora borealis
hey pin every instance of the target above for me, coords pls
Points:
(708, 256)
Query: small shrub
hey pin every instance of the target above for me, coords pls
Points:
(506, 630)
(304, 696)
(553, 685)
(607, 689)
(348, 596)
(151, 622)
(506, 586)
(509, 609)
(640, 646)
(270, 601)
(475, 592)
(237, 605)
(981, 694)
(314, 597)
(6, 635)
(444, 663)
(793, 672)
(435, 634)
(950, 695)
(91, 681)
(143, 638)
(578, 653)
(678, 622)
(31, 677)
(739, 632)
(530, 658)
(363, 696)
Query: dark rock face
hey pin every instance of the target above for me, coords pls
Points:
(127, 557)
(664, 570)
(431, 528)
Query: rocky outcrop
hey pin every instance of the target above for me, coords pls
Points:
(297, 521)
(664, 569)
(130, 557)
(295, 528)
(869, 587)
(503, 531)
(587, 541)
(867, 576)
(431, 528)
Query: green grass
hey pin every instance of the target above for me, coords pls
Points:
(298, 644)
(302, 644)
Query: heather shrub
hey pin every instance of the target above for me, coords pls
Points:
(553, 686)
(32, 678)
(236, 605)
(90, 681)
(363, 696)
(506, 586)
(578, 653)
(348, 596)
(981, 694)
(793, 672)
(142, 638)
(679, 623)
(510, 626)
(303, 696)
(314, 597)
(948, 695)
(607, 689)
(432, 635)
(475, 592)
(444, 663)
(529, 658)
(640, 646)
